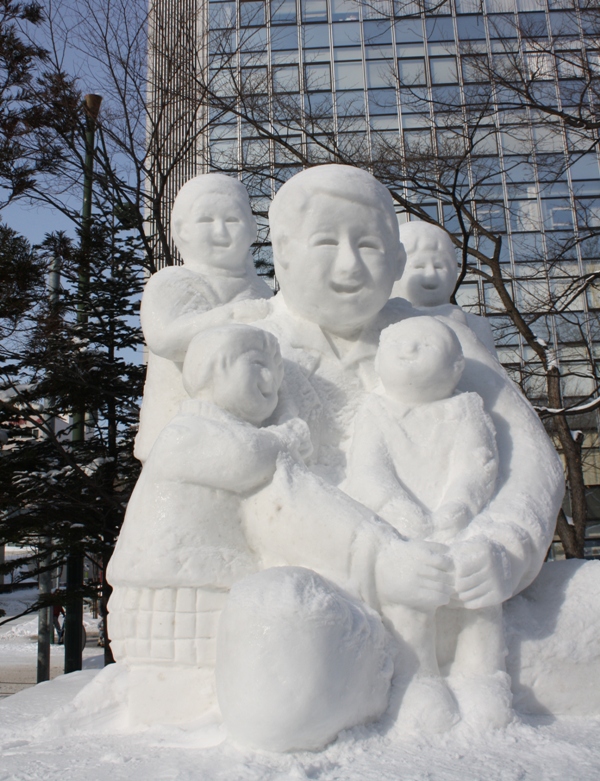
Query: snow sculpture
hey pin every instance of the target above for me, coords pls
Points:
(425, 459)
(430, 276)
(213, 229)
(234, 517)
(182, 544)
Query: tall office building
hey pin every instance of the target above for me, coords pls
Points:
(395, 86)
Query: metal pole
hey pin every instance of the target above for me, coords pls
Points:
(44, 622)
(74, 604)
(74, 614)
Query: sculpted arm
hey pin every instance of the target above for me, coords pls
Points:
(299, 520)
(508, 541)
(174, 309)
(233, 457)
(373, 480)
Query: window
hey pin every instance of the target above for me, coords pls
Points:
(285, 79)
(283, 11)
(316, 36)
(380, 74)
(378, 33)
(440, 28)
(284, 38)
(382, 101)
(412, 72)
(344, 10)
(350, 103)
(524, 215)
(564, 23)
(318, 77)
(349, 75)
(222, 15)
(347, 34)
(314, 10)
(502, 26)
(256, 151)
(252, 13)
(443, 70)
(253, 39)
(409, 31)
(470, 28)
(558, 214)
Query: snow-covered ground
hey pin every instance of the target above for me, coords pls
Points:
(46, 734)
(18, 645)
(34, 745)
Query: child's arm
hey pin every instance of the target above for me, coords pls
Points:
(473, 457)
(175, 309)
(230, 456)
(372, 478)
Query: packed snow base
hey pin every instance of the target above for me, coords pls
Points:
(75, 727)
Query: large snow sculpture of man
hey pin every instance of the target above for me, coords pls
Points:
(337, 256)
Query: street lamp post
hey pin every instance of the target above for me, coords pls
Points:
(74, 600)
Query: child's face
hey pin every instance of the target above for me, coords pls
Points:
(419, 365)
(429, 275)
(218, 231)
(248, 384)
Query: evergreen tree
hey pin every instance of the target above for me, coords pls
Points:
(56, 495)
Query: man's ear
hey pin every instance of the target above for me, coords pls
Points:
(401, 261)
(179, 230)
(280, 243)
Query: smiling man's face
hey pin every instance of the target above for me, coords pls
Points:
(338, 267)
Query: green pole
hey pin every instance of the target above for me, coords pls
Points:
(74, 600)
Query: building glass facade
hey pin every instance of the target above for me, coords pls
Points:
(295, 82)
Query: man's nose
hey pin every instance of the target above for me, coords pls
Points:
(221, 235)
(349, 264)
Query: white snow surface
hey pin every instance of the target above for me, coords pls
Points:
(34, 745)
(56, 731)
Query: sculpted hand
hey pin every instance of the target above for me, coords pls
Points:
(251, 310)
(482, 573)
(295, 436)
(415, 574)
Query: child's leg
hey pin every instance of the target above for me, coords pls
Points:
(421, 700)
(477, 671)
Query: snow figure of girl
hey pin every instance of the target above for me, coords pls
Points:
(213, 229)
(182, 545)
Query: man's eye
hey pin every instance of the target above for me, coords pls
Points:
(205, 219)
(232, 219)
(369, 245)
(326, 243)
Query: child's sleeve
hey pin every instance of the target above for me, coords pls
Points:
(230, 456)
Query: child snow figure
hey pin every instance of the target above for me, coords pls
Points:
(424, 458)
(182, 532)
(213, 229)
(430, 275)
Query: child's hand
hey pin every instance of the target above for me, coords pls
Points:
(295, 436)
(415, 574)
(482, 573)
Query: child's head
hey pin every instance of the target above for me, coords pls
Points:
(419, 360)
(431, 270)
(237, 367)
(212, 223)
